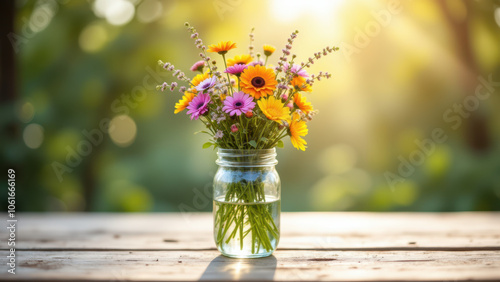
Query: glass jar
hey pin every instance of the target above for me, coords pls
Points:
(247, 203)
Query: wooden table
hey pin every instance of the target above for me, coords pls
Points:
(313, 246)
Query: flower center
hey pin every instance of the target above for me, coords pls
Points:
(200, 105)
(238, 104)
(258, 81)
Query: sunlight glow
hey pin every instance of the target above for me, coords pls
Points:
(237, 271)
(289, 10)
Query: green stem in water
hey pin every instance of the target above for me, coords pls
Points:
(245, 211)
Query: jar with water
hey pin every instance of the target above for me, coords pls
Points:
(247, 203)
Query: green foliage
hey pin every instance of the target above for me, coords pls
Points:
(79, 71)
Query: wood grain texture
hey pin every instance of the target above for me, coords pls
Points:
(313, 246)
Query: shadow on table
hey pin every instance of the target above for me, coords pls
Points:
(224, 268)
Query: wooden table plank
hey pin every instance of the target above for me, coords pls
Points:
(313, 246)
(325, 231)
(283, 266)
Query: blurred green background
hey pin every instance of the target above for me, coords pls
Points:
(404, 70)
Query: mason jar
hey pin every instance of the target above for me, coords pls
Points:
(247, 203)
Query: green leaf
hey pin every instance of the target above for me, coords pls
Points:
(263, 139)
(207, 145)
(280, 144)
(253, 143)
(203, 131)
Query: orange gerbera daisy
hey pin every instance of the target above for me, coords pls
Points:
(258, 81)
(299, 83)
(302, 103)
(274, 109)
(243, 60)
(297, 129)
(184, 102)
(222, 47)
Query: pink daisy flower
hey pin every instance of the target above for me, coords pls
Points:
(238, 104)
(198, 66)
(206, 84)
(236, 69)
(198, 106)
(296, 69)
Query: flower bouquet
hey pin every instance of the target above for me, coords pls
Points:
(247, 107)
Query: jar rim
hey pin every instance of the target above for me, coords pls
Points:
(247, 157)
(247, 151)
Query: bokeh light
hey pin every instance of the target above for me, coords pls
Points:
(149, 11)
(122, 130)
(33, 135)
(26, 112)
(119, 12)
(93, 38)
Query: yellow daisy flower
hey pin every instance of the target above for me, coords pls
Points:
(199, 78)
(258, 81)
(297, 129)
(299, 83)
(221, 47)
(302, 103)
(274, 109)
(243, 59)
(184, 102)
(268, 50)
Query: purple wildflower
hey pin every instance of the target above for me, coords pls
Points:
(238, 104)
(164, 86)
(198, 106)
(255, 63)
(173, 86)
(296, 69)
(206, 84)
(219, 134)
(221, 118)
